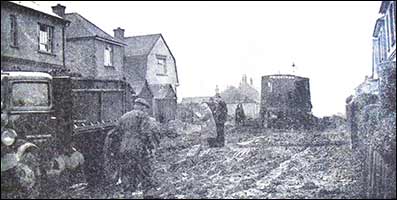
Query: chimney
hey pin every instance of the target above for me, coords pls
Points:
(251, 81)
(59, 10)
(119, 33)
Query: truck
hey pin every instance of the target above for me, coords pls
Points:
(53, 128)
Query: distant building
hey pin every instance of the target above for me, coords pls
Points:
(248, 89)
(233, 96)
(197, 100)
(149, 58)
(31, 39)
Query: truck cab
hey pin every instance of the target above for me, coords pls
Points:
(27, 104)
(26, 113)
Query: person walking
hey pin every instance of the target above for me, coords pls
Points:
(140, 135)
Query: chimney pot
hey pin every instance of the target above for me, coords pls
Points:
(59, 10)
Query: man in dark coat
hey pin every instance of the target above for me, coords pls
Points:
(240, 115)
(139, 136)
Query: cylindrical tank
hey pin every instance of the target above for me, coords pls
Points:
(285, 101)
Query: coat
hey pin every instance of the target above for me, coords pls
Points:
(140, 132)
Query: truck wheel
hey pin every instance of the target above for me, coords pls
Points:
(29, 176)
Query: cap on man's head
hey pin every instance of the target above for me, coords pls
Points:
(142, 102)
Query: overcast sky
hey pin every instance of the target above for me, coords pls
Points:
(215, 43)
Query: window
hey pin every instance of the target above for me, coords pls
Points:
(269, 85)
(382, 46)
(13, 30)
(392, 23)
(108, 56)
(30, 94)
(387, 34)
(45, 38)
(162, 63)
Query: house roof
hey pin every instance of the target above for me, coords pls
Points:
(162, 91)
(138, 71)
(80, 27)
(384, 6)
(140, 45)
(36, 7)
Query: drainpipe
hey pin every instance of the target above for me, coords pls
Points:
(63, 43)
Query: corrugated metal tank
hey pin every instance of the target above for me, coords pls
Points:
(285, 98)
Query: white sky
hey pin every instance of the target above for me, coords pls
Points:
(214, 43)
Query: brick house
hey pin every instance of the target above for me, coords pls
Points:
(149, 58)
(31, 39)
(90, 51)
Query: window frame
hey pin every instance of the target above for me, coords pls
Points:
(110, 61)
(48, 107)
(13, 31)
(50, 38)
(164, 70)
(387, 33)
(392, 23)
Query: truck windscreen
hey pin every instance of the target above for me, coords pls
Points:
(30, 94)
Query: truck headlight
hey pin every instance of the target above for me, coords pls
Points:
(8, 137)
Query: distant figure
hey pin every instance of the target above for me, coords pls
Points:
(240, 115)
(219, 111)
(139, 135)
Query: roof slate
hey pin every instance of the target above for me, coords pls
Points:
(36, 6)
(140, 45)
(80, 27)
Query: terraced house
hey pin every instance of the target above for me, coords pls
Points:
(90, 51)
(32, 39)
(145, 62)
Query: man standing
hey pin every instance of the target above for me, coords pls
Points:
(240, 115)
(219, 111)
(139, 136)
